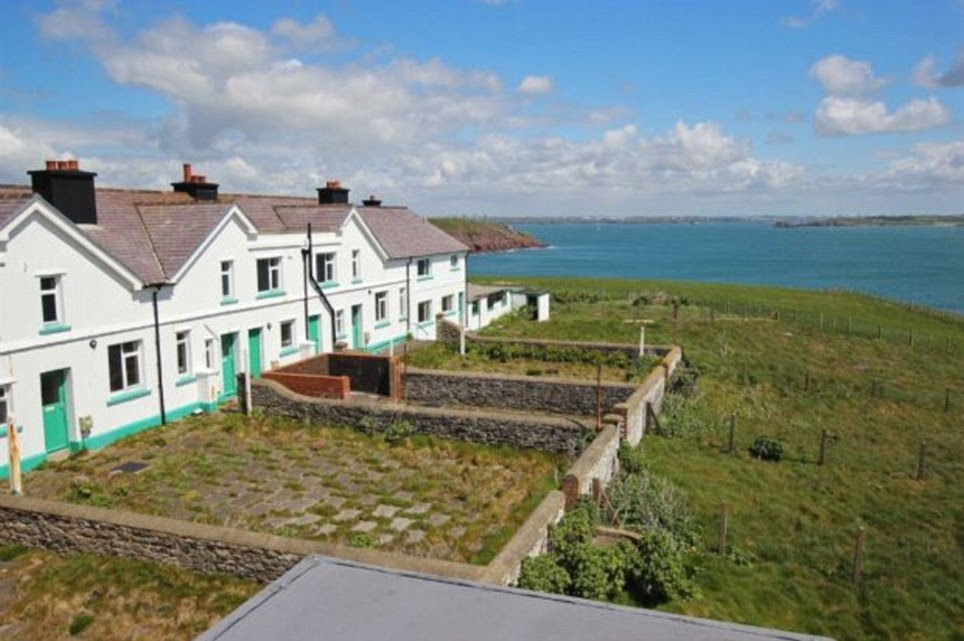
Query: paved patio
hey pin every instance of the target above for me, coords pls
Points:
(427, 497)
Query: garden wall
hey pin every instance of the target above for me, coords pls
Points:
(315, 385)
(525, 393)
(371, 373)
(65, 528)
(475, 426)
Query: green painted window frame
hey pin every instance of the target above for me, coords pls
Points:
(271, 293)
(127, 395)
(382, 324)
(288, 351)
(185, 379)
(229, 301)
(424, 278)
(54, 328)
(328, 285)
(357, 281)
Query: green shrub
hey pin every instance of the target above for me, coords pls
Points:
(398, 432)
(660, 572)
(766, 448)
(543, 574)
(631, 459)
(11, 551)
(600, 572)
(574, 530)
(643, 502)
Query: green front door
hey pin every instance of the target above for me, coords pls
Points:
(230, 383)
(356, 327)
(254, 352)
(53, 397)
(314, 332)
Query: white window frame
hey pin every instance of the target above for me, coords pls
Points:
(428, 311)
(356, 264)
(58, 296)
(381, 306)
(290, 324)
(6, 404)
(448, 303)
(274, 274)
(128, 350)
(227, 279)
(325, 271)
(403, 303)
(424, 267)
(210, 355)
(182, 340)
(340, 322)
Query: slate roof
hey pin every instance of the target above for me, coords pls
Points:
(153, 233)
(329, 598)
(403, 234)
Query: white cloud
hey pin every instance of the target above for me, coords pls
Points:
(839, 116)
(535, 85)
(928, 164)
(820, 9)
(318, 29)
(925, 74)
(841, 76)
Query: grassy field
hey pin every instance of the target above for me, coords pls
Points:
(879, 399)
(44, 596)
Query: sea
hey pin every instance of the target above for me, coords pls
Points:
(920, 265)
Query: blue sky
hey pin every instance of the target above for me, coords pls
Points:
(514, 107)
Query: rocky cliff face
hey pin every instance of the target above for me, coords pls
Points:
(484, 236)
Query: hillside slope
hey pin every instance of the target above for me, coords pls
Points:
(485, 236)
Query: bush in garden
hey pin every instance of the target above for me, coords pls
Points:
(766, 448)
(543, 574)
(660, 573)
(631, 459)
(642, 502)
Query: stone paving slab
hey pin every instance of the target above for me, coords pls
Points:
(364, 526)
(400, 523)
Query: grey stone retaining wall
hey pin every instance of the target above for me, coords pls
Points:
(598, 462)
(475, 426)
(66, 528)
(525, 393)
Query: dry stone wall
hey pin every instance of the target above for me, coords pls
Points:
(475, 426)
(558, 396)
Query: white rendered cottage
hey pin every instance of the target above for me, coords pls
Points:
(122, 309)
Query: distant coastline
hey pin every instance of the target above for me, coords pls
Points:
(482, 236)
(921, 220)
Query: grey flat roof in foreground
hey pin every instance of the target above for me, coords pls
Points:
(324, 598)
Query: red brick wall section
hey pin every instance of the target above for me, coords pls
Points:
(336, 387)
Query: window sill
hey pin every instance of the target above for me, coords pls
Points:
(3, 430)
(328, 285)
(129, 395)
(341, 336)
(273, 293)
(451, 312)
(288, 351)
(425, 324)
(229, 301)
(382, 324)
(356, 281)
(455, 269)
(54, 328)
(185, 379)
(426, 277)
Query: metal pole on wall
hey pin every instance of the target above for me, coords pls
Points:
(16, 486)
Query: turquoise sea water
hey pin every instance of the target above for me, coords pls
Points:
(922, 265)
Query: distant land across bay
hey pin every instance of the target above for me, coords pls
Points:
(915, 220)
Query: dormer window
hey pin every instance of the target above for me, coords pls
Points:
(227, 279)
(356, 265)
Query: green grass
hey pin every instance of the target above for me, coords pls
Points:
(799, 519)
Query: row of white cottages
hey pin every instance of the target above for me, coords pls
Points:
(122, 309)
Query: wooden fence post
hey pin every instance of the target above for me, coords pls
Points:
(823, 447)
(729, 449)
(806, 382)
(13, 445)
(859, 554)
(724, 526)
(910, 337)
(947, 399)
(921, 461)
(879, 329)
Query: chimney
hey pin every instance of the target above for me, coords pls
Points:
(371, 201)
(333, 194)
(66, 187)
(196, 185)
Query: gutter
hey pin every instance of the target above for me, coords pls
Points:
(408, 295)
(157, 350)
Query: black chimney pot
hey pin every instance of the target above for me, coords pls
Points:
(371, 201)
(66, 187)
(333, 194)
